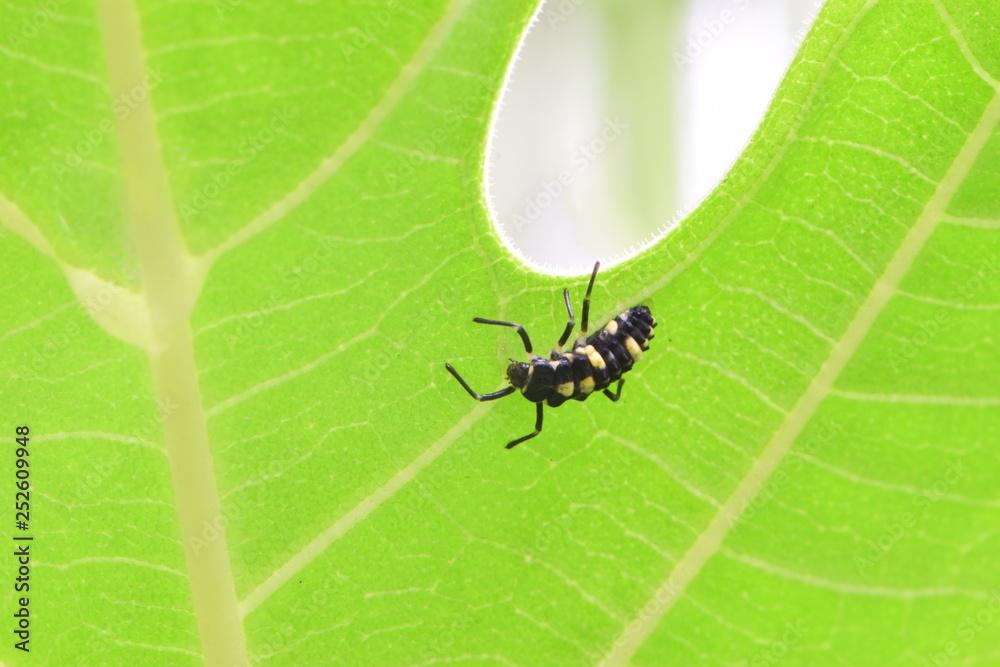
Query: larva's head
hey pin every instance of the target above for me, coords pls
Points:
(517, 373)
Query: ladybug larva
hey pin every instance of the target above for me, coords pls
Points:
(594, 363)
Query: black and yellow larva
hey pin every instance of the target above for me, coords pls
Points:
(593, 365)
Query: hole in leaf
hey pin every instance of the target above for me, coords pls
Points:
(618, 118)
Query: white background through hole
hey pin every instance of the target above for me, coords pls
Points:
(619, 117)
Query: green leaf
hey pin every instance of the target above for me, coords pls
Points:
(241, 242)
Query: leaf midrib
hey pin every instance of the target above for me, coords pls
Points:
(172, 280)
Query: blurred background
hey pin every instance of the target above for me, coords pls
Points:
(620, 116)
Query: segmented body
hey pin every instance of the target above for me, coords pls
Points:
(593, 364)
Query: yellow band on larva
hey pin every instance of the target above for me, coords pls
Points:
(596, 360)
(633, 349)
(587, 386)
(566, 388)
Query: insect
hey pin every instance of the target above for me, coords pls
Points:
(593, 365)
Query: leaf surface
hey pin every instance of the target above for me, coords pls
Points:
(241, 241)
